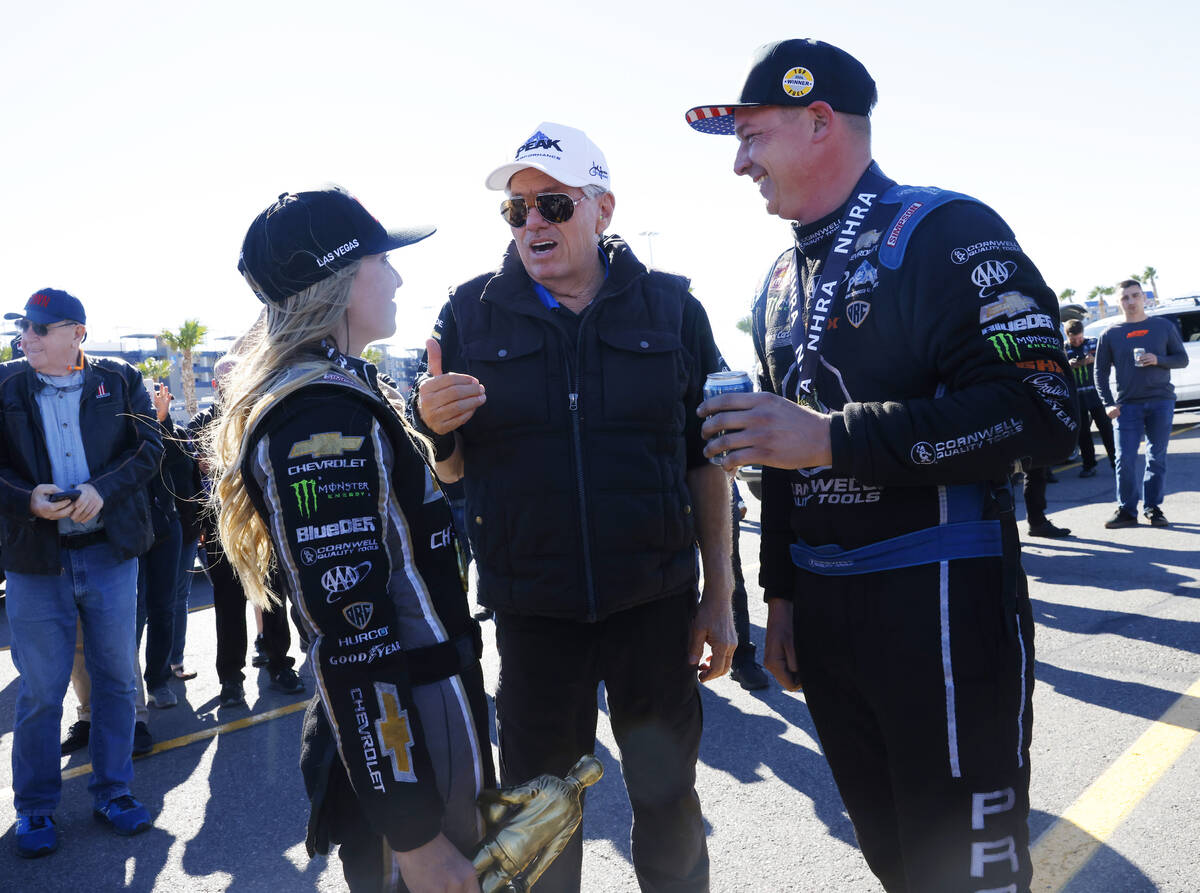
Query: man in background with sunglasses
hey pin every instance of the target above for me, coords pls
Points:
(78, 446)
(563, 389)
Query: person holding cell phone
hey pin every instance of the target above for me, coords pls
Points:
(78, 445)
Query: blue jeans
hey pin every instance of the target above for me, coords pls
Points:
(42, 609)
(1151, 418)
(183, 592)
(156, 603)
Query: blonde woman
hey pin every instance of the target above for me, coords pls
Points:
(319, 477)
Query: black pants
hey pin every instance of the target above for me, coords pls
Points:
(157, 573)
(546, 719)
(920, 683)
(1034, 491)
(741, 607)
(229, 605)
(1087, 449)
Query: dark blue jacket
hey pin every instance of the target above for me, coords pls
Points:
(121, 439)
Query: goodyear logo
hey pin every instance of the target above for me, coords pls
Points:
(358, 615)
(797, 82)
(327, 443)
(1006, 346)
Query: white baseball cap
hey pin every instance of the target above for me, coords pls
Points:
(564, 153)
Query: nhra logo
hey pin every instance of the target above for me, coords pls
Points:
(358, 615)
(1006, 346)
(343, 578)
(991, 273)
(328, 443)
(923, 454)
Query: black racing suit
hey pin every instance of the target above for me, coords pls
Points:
(1091, 409)
(941, 365)
(396, 744)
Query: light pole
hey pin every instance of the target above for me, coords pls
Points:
(650, 244)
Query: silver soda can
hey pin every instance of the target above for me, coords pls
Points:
(1138, 353)
(726, 383)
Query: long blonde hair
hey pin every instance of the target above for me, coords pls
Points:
(279, 345)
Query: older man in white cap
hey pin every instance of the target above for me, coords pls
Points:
(562, 388)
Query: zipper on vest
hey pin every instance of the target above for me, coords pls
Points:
(577, 438)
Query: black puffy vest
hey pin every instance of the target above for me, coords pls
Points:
(574, 467)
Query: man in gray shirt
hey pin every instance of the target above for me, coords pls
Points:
(1143, 350)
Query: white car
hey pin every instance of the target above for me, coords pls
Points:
(1185, 313)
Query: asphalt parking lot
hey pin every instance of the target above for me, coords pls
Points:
(1116, 764)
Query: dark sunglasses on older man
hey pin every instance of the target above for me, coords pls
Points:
(39, 329)
(555, 207)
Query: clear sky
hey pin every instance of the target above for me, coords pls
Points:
(138, 139)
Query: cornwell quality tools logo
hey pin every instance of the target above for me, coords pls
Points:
(327, 443)
(1006, 346)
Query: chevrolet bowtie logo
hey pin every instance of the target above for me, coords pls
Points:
(329, 443)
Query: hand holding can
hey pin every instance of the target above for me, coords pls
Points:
(1138, 353)
(725, 383)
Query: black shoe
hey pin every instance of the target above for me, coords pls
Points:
(749, 676)
(77, 737)
(260, 658)
(1048, 529)
(1088, 471)
(483, 614)
(232, 694)
(1121, 518)
(1154, 516)
(143, 741)
(287, 680)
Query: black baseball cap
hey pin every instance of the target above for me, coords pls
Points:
(304, 237)
(51, 305)
(794, 72)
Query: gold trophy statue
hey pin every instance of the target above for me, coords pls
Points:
(528, 825)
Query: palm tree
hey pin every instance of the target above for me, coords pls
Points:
(189, 335)
(154, 369)
(1064, 296)
(372, 355)
(1148, 275)
(1099, 293)
(744, 325)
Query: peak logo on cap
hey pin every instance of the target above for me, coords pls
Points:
(797, 82)
(538, 141)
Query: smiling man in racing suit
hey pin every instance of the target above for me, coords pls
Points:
(910, 353)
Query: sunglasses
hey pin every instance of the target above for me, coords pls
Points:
(39, 329)
(555, 207)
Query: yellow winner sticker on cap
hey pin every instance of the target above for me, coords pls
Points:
(797, 82)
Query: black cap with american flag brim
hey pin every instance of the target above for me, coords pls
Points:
(794, 72)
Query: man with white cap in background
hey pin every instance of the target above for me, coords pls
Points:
(562, 388)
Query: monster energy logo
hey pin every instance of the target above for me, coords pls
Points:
(306, 496)
(1006, 346)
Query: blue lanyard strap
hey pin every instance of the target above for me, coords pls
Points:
(947, 542)
(820, 304)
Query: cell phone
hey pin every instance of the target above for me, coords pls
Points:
(62, 495)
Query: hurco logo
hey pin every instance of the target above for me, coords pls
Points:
(1006, 346)
(328, 443)
(306, 496)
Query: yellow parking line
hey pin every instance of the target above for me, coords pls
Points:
(182, 740)
(1067, 846)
